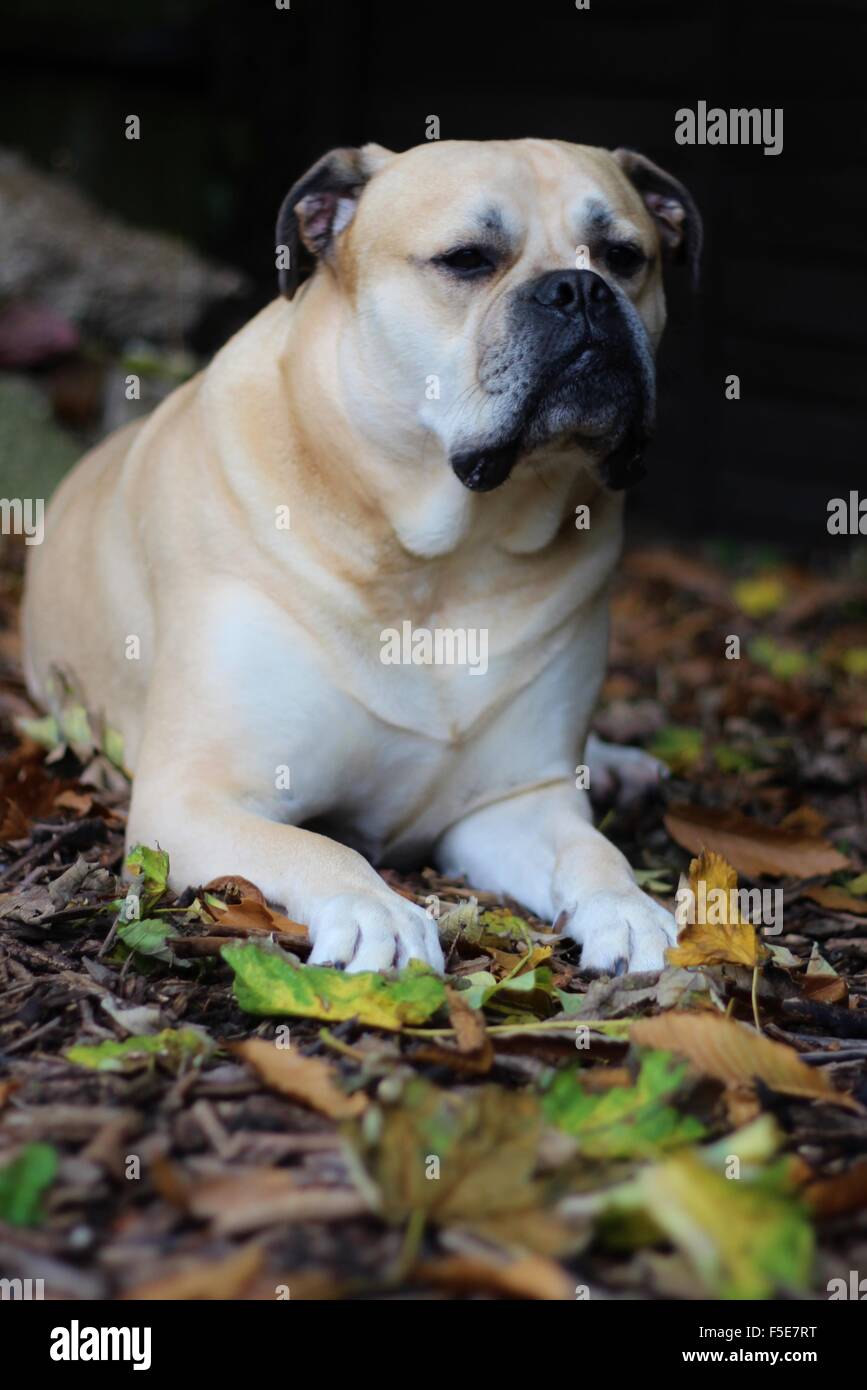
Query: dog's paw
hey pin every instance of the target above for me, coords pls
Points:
(621, 933)
(360, 931)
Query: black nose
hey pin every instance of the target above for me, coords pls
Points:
(573, 292)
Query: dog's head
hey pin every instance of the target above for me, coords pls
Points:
(509, 293)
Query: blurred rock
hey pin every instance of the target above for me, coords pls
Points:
(59, 249)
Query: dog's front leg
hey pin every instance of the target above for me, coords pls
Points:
(541, 849)
(354, 919)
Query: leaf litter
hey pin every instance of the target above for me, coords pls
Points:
(518, 1129)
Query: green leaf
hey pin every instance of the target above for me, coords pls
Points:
(22, 1183)
(266, 983)
(482, 987)
(624, 1121)
(681, 748)
(653, 880)
(499, 922)
(744, 1239)
(858, 885)
(153, 866)
(150, 937)
(782, 662)
(733, 760)
(173, 1046)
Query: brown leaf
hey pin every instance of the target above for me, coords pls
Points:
(836, 900)
(839, 1194)
(311, 1080)
(205, 1279)
(733, 1053)
(234, 888)
(528, 1276)
(753, 848)
(473, 1052)
(254, 917)
(256, 1199)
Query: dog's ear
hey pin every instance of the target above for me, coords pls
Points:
(670, 205)
(320, 205)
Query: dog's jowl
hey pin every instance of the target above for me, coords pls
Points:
(470, 362)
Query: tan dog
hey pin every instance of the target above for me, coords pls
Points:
(415, 658)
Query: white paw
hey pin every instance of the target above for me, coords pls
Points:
(363, 932)
(621, 932)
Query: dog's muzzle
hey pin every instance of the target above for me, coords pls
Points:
(591, 378)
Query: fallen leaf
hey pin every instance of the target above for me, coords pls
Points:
(311, 1080)
(152, 867)
(272, 985)
(731, 1052)
(22, 1183)
(836, 899)
(623, 1121)
(751, 847)
(173, 1046)
(459, 1158)
(150, 937)
(760, 595)
(714, 933)
(839, 1194)
(744, 1239)
(680, 748)
(253, 916)
(526, 1276)
(205, 1279)
(257, 1199)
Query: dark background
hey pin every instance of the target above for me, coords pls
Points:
(236, 100)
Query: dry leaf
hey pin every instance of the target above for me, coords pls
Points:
(753, 848)
(528, 1276)
(717, 935)
(206, 1279)
(234, 888)
(836, 900)
(253, 916)
(256, 1199)
(733, 1053)
(473, 1052)
(311, 1080)
(839, 1194)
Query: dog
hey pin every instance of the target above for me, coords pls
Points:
(431, 435)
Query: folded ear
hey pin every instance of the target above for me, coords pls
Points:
(670, 205)
(320, 205)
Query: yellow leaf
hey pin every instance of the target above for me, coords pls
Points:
(760, 596)
(716, 935)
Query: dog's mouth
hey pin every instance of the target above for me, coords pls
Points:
(594, 402)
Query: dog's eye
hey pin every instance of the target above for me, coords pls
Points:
(466, 261)
(625, 260)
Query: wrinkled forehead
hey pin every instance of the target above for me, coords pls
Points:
(500, 192)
